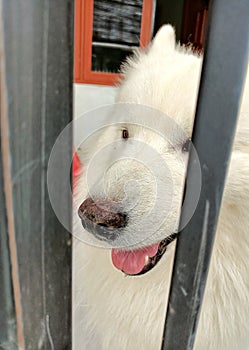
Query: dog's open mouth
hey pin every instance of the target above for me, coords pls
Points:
(139, 261)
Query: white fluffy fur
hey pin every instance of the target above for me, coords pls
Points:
(114, 311)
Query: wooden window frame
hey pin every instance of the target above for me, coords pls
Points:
(83, 73)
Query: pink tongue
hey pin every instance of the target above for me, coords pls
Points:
(133, 261)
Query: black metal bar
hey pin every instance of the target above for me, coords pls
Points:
(224, 67)
(8, 338)
(38, 57)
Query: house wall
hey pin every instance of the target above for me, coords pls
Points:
(88, 97)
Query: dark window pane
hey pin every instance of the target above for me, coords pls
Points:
(108, 59)
(116, 31)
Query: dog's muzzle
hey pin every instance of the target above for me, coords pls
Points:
(104, 218)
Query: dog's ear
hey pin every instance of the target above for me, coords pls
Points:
(165, 39)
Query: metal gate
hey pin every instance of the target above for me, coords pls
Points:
(36, 104)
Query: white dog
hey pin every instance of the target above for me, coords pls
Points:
(129, 199)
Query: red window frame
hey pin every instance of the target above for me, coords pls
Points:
(83, 42)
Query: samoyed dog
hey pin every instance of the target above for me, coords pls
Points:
(127, 204)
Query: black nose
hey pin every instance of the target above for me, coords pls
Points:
(103, 218)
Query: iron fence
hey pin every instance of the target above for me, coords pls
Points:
(36, 104)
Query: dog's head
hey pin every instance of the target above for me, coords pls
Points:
(129, 193)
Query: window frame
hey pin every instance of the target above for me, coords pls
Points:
(83, 73)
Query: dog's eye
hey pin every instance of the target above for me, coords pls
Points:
(125, 134)
(186, 145)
